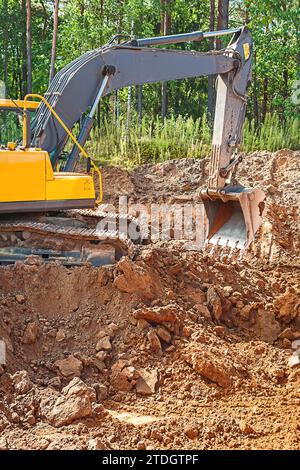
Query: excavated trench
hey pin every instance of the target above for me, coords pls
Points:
(174, 349)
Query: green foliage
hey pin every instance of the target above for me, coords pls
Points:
(88, 24)
(181, 137)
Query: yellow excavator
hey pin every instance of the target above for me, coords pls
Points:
(49, 209)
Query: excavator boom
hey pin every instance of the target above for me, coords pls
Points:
(234, 213)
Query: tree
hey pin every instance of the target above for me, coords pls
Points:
(165, 29)
(54, 40)
(29, 50)
(211, 79)
(223, 19)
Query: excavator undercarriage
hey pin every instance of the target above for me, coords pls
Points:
(49, 210)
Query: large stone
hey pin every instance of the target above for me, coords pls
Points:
(214, 301)
(104, 344)
(74, 403)
(164, 334)
(155, 343)
(30, 334)
(210, 368)
(266, 327)
(288, 305)
(69, 367)
(147, 382)
(123, 376)
(159, 315)
(21, 382)
(135, 279)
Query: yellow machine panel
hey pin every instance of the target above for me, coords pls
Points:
(28, 183)
(22, 175)
(70, 187)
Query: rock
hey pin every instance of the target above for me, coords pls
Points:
(294, 361)
(135, 279)
(159, 315)
(20, 298)
(266, 327)
(245, 428)
(104, 343)
(170, 349)
(154, 342)
(143, 325)
(220, 331)
(96, 444)
(21, 382)
(186, 332)
(101, 334)
(203, 311)
(147, 382)
(69, 367)
(141, 445)
(191, 432)
(214, 302)
(30, 419)
(112, 328)
(60, 336)
(210, 368)
(123, 376)
(101, 391)
(101, 355)
(286, 343)
(100, 365)
(164, 334)
(55, 382)
(15, 418)
(74, 403)
(3, 443)
(30, 334)
(288, 305)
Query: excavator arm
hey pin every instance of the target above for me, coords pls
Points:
(76, 87)
(234, 213)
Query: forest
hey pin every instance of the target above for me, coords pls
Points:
(166, 120)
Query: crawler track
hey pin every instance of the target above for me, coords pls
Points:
(81, 230)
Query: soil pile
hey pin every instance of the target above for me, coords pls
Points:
(174, 349)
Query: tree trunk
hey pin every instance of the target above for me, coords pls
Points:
(165, 29)
(211, 78)
(264, 107)
(223, 19)
(54, 40)
(24, 49)
(5, 51)
(255, 94)
(28, 43)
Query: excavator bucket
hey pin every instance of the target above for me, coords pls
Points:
(234, 217)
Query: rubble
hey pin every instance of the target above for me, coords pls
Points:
(74, 403)
(69, 367)
(172, 349)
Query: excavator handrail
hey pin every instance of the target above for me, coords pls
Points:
(72, 137)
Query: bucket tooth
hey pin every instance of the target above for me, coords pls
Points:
(234, 216)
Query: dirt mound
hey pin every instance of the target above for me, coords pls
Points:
(172, 350)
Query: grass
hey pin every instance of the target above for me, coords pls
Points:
(151, 141)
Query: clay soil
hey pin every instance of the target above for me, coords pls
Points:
(175, 349)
